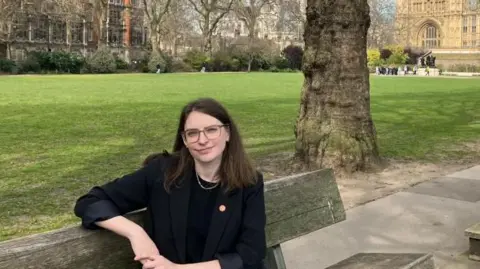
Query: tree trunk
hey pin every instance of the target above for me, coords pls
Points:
(175, 47)
(69, 34)
(207, 48)
(155, 37)
(251, 39)
(207, 35)
(9, 40)
(9, 51)
(334, 127)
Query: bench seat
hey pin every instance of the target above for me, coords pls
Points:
(473, 234)
(386, 261)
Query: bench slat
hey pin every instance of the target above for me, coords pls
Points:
(301, 204)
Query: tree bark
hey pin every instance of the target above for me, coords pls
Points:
(250, 52)
(251, 37)
(207, 48)
(68, 23)
(334, 127)
(155, 37)
(9, 51)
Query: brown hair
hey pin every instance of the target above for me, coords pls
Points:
(236, 169)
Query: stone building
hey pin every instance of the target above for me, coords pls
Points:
(447, 28)
(124, 32)
(281, 22)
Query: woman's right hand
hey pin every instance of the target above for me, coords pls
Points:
(143, 246)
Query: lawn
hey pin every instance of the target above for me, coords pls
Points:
(60, 135)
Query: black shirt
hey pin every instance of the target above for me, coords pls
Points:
(201, 206)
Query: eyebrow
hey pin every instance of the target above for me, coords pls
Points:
(212, 125)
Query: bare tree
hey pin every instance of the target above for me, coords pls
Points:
(100, 12)
(156, 11)
(8, 10)
(382, 28)
(210, 13)
(334, 127)
(178, 24)
(249, 11)
(292, 18)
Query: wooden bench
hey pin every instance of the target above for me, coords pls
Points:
(295, 205)
(473, 234)
(387, 260)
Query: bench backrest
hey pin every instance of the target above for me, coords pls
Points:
(295, 205)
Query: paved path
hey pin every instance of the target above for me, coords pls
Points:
(430, 217)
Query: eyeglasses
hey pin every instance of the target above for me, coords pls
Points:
(210, 132)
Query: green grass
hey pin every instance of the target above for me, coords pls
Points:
(60, 135)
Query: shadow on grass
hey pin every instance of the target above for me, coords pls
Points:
(425, 125)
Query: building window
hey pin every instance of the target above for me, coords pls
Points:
(41, 28)
(21, 28)
(429, 6)
(59, 32)
(418, 6)
(137, 36)
(115, 36)
(430, 36)
(115, 16)
(77, 33)
(465, 24)
(474, 23)
(439, 5)
(116, 2)
(89, 30)
(19, 55)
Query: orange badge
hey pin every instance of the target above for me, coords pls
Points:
(222, 208)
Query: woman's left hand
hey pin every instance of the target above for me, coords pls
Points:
(156, 262)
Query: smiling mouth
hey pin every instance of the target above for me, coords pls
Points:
(204, 150)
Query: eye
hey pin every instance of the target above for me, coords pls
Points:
(192, 133)
(212, 130)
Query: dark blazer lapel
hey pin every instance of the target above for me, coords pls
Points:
(225, 204)
(179, 200)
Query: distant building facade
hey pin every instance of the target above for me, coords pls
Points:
(276, 23)
(40, 32)
(125, 30)
(439, 24)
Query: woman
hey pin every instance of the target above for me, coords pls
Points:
(205, 202)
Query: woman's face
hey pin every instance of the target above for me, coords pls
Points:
(205, 137)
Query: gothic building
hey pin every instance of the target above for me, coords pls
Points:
(439, 25)
(124, 31)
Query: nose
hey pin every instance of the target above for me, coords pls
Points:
(202, 139)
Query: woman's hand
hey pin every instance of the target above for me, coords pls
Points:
(155, 262)
(143, 246)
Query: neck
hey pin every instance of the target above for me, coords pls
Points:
(208, 171)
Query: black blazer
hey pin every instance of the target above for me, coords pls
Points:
(236, 236)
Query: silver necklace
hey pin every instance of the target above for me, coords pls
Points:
(205, 188)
